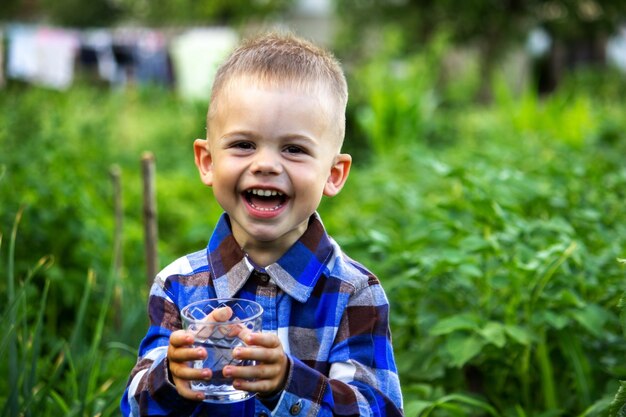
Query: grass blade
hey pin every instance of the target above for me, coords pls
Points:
(10, 309)
(31, 377)
(44, 390)
(544, 279)
(547, 376)
(60, 402)
(447, 400)
(82, 309)
(14, 366)
(94, 363)
(570, 346)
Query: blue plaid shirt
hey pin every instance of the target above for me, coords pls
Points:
(330, 313)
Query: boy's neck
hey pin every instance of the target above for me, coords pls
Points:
(266, 252)
(263, 256)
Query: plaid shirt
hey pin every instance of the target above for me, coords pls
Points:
(330, 313)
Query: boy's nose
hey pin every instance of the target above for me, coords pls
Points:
(266, 162)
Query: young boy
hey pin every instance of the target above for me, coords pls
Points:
(275, 127)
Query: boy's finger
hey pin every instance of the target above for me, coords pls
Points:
(219, 314)
(260, 371)
(267, 340)
(185, 354)
(185, 391)
(187, 373)
(239, 330)
(261, 355)
(181, 338)
(259, 385)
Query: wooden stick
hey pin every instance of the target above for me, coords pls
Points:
(116, 174)
(150, 215)
(118, 237)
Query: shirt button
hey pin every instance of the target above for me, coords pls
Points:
(263, 277)
(296, 408)
(263, 414)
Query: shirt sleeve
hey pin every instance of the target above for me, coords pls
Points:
(149, 390)
(362, 378)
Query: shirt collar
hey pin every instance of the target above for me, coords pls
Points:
(296, 272)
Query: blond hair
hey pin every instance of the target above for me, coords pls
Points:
(276, 59)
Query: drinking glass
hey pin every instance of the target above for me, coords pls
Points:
(219, 338)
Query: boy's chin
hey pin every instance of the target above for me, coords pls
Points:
(275, 233)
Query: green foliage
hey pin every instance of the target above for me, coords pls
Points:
(47, 376)
(494, 26)
(617, 408)
(98, 13)
(82, 14)
(396, 99)
(72, 323)
(172, 12)
(497, 247)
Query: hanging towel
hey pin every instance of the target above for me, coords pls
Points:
(196, 54)
(22, 52)
(43, 56)
(56, 53)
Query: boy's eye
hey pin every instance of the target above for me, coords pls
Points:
(243, 145)
(294, 149)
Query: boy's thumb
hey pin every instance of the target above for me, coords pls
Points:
(221, 314)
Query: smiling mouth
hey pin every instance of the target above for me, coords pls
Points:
(265, 200)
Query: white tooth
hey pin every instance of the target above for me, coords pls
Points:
(264, 193)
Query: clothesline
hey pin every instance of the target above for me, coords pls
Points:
(53, 57)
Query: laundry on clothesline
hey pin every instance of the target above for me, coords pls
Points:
(53, 57)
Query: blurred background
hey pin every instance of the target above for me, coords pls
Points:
(487, 194)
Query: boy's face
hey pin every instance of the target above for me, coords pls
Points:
(270, 156)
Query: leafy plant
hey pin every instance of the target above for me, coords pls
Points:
(497, 252)
(617, 408)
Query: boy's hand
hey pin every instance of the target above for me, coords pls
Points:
(180, 353)
(268, 376)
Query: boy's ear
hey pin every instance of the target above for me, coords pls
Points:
(338, 174)
(204, 161)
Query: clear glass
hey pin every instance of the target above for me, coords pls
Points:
(219, 338)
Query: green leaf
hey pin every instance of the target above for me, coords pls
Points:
(569, 297)
(462, 348)
(475, 243)
(493, 332)
(470, 270)
(520, 334)
(416, 407)
(554, 320)
(618, 405)
(597, 409)
(454, 323)
(592, 317)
